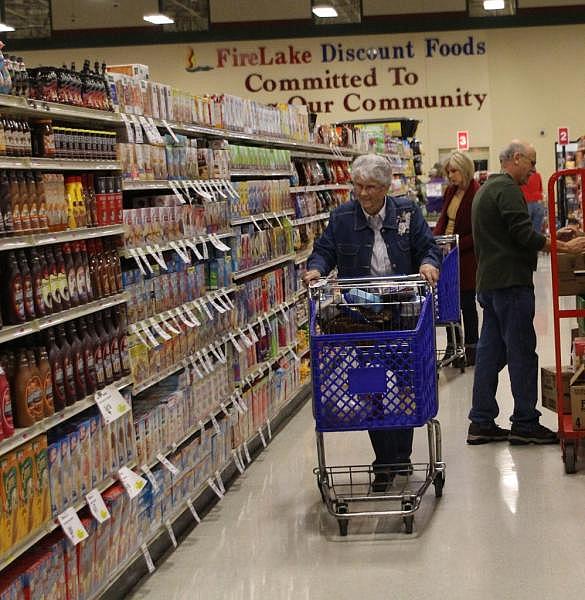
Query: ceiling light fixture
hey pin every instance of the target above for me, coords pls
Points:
(4, 27)
(494, 4)
(325, 11)
(158, 19)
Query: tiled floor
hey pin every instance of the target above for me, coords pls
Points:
(510, 523)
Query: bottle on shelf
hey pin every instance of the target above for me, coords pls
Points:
(27, 286)
(27, 392)
(88, 356)
(5, 203)
(55, 357)
(120, 322)
(104, 340)
(71, 273)
(95, 343)
(54, 281)
(36, 272)
(38, 405)
(6, 417)
(62, 278)
(68, 368)
(46, 381)
(86, 271)
(77, 355)
(13, 305)
(114, 340)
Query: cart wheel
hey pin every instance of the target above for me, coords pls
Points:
(570, 458)
(343, 523)
(408, 520)
(439, 482)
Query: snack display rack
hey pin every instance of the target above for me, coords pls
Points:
(243, 410)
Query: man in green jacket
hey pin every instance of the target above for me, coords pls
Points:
(507, 247)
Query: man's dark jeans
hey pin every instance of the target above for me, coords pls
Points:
(507, 337)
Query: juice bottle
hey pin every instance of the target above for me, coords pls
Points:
(78, 360)
(71, 275)
(57, 370)
(36, 272)
(27, 286)
(14, 296)
(46, 382)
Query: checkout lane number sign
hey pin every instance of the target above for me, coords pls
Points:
(463, 141)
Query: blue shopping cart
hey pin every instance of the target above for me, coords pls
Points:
(447, 303)
(373, 362)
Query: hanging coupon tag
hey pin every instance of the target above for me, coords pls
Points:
(179, 313)
(216, 243)
(213, 485)
(237, 462)
(193, 247)
(170, 130)
(129, 128)
(184, 256)
(201, 192)
(285, 316)
(147, 558)
(219, 482)
(235, 402)
(171, 533)
(252, 333)
(146, 470)
(137, 332)
(201, 428)
(159, 259)
(216, 305)
(235, 343)
(202, 363)
(177, 192)
(215, 424)
(72, 526)
(97, 506)
(194, 320)
(204, 247)
(167, 463)
(193, 511)
(216, 185)
(137, 129)
(243, 403)
(223, 247)
(247, 452)
(277, 219)
(224, 409)
(216, 353)
(136, 258)
(255, 223)
(262, 328)
(221, 301)
(241, 457)
(196, 368)
(268, 428)
(111, 403)
(294, 355)
(144, 258)
(172, 327)
(227, 298)
(154, 342)
(201, 302)
(163, 334)
(262, 438)
(244, 338)
(132, 483)
(268, 326)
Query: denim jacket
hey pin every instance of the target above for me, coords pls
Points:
(348, 241)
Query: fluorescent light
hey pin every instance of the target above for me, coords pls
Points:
(324, 11)
(158, 19)
(494, 4)
(4, 27)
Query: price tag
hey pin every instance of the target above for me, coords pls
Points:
(184, 256)
(219, 482)
(193, 511)
(159, 259)
(197, 370)
(136, 331)
(149, 335)
(262, 328)
(247, 452)
(252, 333)
(224, 409)
(201, 429)
(201, 303)
(167, 463)
(217, 243)
(142, 255)
(240, 457)
(217, 353)
(227, 298)
(170, 130)
(147, 558)
(133, 483)
(217, 187)
(111, 403)
(192, 317)
(72, 526)
(163, 334)
(269, 429)
(235, 402)
(235, 343)
(171, 533)
(199, 190)
(262, 438)
(136, 258)
(215, 424)
(97, 506)
(237, 462)
(128, 126)
(284, 315)
(173, 329)
(202, 362)
(230, 186)
(204, 247)
(268, 326)
(255, 223)
(212, 484)
(218, 308)
(177, 193)
(277, 219)
(295, 355)
(145, 469)
(137, 129)
(193, 247)
(243, 337)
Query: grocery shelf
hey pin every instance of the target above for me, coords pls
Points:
(57, 164)
(25, 434)
(327, 155)
(259, 369)
(262, 267)
(226, 471)
(302, 256)
(16, 242)
(143, 184)
(262, 216)
(300, 189)
(50, 525)
(260, 172)
(126, 252)
(304, 220)
(12, 332)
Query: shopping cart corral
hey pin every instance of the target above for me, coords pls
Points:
(373, 362)
(447, 303)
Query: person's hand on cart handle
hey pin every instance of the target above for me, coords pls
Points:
(430, 273)
(312, 275)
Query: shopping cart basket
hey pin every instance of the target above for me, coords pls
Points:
(373, 363)
(447, 304)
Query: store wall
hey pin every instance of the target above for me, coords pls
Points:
(497, 84)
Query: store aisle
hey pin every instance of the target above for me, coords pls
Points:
(508, 526)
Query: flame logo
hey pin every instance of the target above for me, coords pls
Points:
(192, 66)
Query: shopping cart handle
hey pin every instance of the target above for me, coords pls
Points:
(447, 239)
(414, 278)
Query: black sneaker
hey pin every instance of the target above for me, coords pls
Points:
(382, 481)
(483, 434)
(404, 468)
(537, 434)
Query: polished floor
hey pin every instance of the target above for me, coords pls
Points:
(509, 525)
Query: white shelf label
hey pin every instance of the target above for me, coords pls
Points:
(133, 483)
(215, 424)
(193, 511)
(72, 526)
(237, 462)
(111, 403)
(247, 452)
(146, 470)
(97, 506)
(167, 464)
(262, 438)
(219, 482)
(213, 485)
(269, 429)
(147, 558)
(171, 533)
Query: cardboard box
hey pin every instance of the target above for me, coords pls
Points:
(548, 388)
(578, 398)
(571, 274)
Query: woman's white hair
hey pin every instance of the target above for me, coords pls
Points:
(372, 167)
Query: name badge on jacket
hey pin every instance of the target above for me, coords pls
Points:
(404, 223)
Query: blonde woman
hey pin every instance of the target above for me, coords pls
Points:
(455, 218)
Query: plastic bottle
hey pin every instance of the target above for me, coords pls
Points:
(121, 325)
(71, 275)
(27, 286)
(113, 334)
(38, 405)
(36, 273)
(14, 201)
(78, 360)
(62, 276)
(88, 356)
(46, 381)
(6, 420)
(67, 361)
(27, 392)
(41, 202)
(31, 194)
(54, 282)
(97, 352)
(79, 273)
(58, 374)
(104, 340)
(86, 271)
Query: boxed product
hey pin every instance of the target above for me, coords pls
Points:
(134, 70)
(571, 274)
(548, 387)
(578, 398)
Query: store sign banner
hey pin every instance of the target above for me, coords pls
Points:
(463, 141)
(563, 136)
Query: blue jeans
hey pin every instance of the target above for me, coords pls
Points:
(536, 212)
(507, 337)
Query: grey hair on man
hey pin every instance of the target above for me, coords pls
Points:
(372, 167)
(514, 147)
